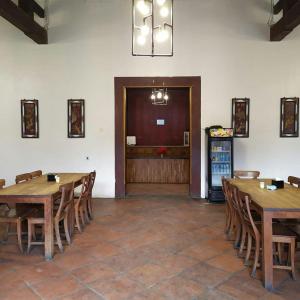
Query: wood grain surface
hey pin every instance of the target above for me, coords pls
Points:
(287, 198)
(158, 170)
(40, 186)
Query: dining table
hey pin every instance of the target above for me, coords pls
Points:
(283, 203)
(41, 191)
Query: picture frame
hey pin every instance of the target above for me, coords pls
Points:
(30, 118)
(240, 117)
(289, 117)
(76, 118)
(186, 138)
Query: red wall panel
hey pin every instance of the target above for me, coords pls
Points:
(142, 116)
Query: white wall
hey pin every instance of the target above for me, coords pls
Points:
(225, 42)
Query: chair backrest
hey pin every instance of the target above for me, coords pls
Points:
(2, 183)
(67, 198)
(92, 176)
(85, 189)
(230, 195)
(295, 181)
(23, 177)
(245, 204)
(246, 174)
(36, 174)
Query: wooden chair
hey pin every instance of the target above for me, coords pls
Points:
(8, 220)
(295, 181)
(62, 215)
(229, 210)
(23, 178)
(280, 237)
(36, 174)
(246, 174)
(90, 199)
(81, 204)
(236, 227)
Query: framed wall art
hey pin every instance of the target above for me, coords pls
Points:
(30, 118)
(240, 117)
(76, 118)
(289, 117)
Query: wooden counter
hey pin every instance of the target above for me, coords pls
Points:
(158, 170)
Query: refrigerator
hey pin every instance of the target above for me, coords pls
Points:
(219, 163)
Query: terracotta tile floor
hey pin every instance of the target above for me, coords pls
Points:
(141, 248)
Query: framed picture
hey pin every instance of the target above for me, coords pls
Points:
(240, 117)
(30, 118)
(186, 138)
(76, 118)
(289, 117)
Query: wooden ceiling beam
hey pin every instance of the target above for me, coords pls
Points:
(31, 7)
(289, 21)
(23, 20)
(283, 5)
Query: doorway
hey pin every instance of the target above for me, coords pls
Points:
(127, 90)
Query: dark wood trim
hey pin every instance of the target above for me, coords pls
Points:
(31, 7)
(23, 19)
(194, 83)
(289, 20)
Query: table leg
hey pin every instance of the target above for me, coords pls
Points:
(49, 238)
(267, 255)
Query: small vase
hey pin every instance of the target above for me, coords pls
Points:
(161, 156)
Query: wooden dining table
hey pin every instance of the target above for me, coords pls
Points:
(279, 204)
(40, 191)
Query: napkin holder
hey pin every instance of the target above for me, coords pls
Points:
(51, 177)
(278, 183)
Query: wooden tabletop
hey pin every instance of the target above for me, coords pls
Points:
(281, 199)
(40, 186)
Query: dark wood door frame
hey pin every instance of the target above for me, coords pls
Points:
(194, 84)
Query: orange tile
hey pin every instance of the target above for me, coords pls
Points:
(179, 288)
(150, 274)
(84, 294)
(118, 289)
(58, 287)
(227, 263)
(93, 272)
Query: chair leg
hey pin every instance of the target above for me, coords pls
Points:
(292, 256)
(256, 257)
(238, 236)
(77, 220)
(7, 228)
(82, 216)
(57, 234)
(86, 214)
(243, 239)
(249, 247)
(279, 248)
(19, 234)
(30, 230)
(90, 208)
(66, 227)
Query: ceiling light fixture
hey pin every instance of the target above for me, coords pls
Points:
(152, 27)
(160, 96)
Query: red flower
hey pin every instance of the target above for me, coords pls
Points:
(162, 150)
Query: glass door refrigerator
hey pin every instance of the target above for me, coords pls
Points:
(220, 161)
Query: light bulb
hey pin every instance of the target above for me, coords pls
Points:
(160, 2)
(162, 36)
(164, 12)
(152, 96)
(159, 95)
(166, 97)
(145, 30)
(141, 40)
(143, 8)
